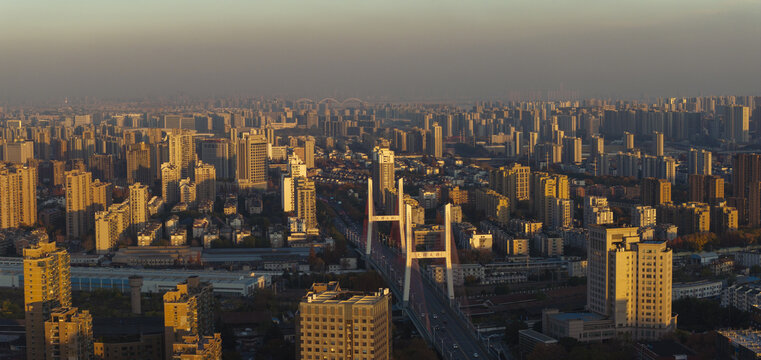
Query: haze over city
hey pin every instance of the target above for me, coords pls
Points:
(383, 50)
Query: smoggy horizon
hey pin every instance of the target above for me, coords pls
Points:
(388, 50)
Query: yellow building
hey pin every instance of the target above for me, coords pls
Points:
(205, 179)
(79, 210)
(655, 191)
(338, 324)
(47, 285)
(138, 206)
(68, 334)
(198, 348)
(492, 203)
(513, 182)
(544, 186)
(102, 195)
(629, 281)
(383, 172)
(188, 311)
(252, 161)
(18, 196)
(691, 217)
(170, 183)
(111, 226)
(306, 203)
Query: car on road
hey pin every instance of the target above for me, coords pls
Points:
(455, 346)
(475, 355)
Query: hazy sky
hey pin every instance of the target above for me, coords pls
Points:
(393, 49)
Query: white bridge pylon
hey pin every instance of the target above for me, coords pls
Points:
(372, 218)
(403, 218)
(411, 254)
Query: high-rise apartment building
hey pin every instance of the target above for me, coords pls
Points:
(643, 216)
(339, 324)
(705, 188)
(597, 145)
(544, 186)
(699, 162)
(102, 195)
(170, 183)
(655, 191)
(597, 211)
(736, 123)
(79, 209)
(139, 164)
(746, 176)
(206, 182)
(571, 150)
(19, 152)
(18, 196)
(188, 312)
(47, 285)
(383, 172)
(436, 141)
(68, 334)
(182, 151)
(101, 166)
(628, 141)
(658, 143)
(306, 202)
(188, 192)
(217, 153)
(252, 161)
(111, 226)
(138, 206)
(629, 281)
(512, 181)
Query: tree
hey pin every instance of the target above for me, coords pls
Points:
(548, 352)
(511, 330)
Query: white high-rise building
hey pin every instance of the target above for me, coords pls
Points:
(597, 211)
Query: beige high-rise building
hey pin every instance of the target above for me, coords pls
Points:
(188, 312)
(306, 202)
(188, 192)
(182, 151)
(655, 191)
(111, 226)
(309, 152)
(252, 161)
(436, 141)
(383, 172)
(68, 334)
(138, 206)
(205, 179)
(170, 183)
(79, 209)
(47, 285)
(597, 211)
(597, 146)
(512, 181)
(629, 281)
(699, 161)
(139, 164)
(544, 186)
(18, 196)
(571, 150)
(339, 324)
(102, 195)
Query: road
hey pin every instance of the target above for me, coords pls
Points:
(450, 334)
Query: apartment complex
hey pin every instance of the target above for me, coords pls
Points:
(339, 324)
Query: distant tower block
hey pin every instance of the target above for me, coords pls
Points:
(135, 284)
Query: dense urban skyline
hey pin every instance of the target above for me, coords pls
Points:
(374, 50)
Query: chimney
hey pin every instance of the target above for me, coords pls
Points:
(135, 284)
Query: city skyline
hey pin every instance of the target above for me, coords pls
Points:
(383, 51)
